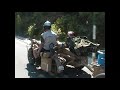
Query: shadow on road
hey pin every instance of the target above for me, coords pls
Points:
(34, 73)
(68, 73)
(76, 73)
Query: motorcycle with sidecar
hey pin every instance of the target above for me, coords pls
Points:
(66, 57)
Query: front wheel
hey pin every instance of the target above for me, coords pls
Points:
(31, 58)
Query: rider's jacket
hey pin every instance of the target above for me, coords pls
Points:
(49, 37)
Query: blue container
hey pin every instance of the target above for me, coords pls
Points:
(101, 57)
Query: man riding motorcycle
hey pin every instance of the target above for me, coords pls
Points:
(35, 48)
(48, 37)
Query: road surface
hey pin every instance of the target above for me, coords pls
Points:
(24, 70)
(20, 59)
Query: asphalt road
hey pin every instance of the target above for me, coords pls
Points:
(24, 70)
(20, 59)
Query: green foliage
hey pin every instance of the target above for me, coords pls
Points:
(18, 24)
(31, 29)
(62, 22)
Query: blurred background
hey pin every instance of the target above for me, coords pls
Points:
(30, 24)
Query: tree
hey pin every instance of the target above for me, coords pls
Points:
(18, 24)
(79, 22)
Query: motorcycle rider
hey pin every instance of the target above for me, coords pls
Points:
(35, 48)
(48, 37)
(69, 40)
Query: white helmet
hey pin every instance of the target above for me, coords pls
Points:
(47, 23)
(71, 33)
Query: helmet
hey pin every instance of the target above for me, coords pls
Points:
(71, 34)
(47, 23)
(33, 41)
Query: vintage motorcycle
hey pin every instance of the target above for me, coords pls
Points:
(72, 56)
